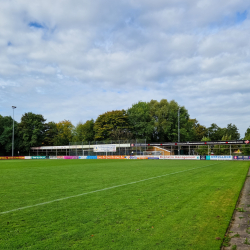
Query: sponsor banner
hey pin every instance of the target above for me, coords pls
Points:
(21, 157)
(133, 157)
(12, 158)
(3, 158)
(69, 157)
(38, 157)
(138, 157)
(221, 157)
(92, 157)
(119, 157)
(101, 157)
(60, 157)
(82, 157)
(53, 157)
(27, 157)
(142, 157)
(203, 157)
(111, 157)
(180, 157)
(105, 148)
(153, 158)
(241, 158)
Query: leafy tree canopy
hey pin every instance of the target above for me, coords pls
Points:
(84, 132)
(107, 123)
(31, 131)
(65, 132)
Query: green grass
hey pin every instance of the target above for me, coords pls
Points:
(186, 210)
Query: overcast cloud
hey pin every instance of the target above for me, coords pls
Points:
(74, 60)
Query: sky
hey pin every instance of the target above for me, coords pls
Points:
(77, 59)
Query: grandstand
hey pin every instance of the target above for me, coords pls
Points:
(140, 147)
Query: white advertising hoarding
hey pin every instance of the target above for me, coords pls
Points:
(82, 157)
(105, 148)
(221, 157)
(179, 157)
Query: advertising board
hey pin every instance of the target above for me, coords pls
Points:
(105, 148)
(133, 157)
(111, 157)
(3, 158)
(12, 157)
(53, 157)
(92, 157)
(82, 157)
(241, 158)
(219, 157)
(70, 157)
(179, 157)
(38, 157)
(142, 157)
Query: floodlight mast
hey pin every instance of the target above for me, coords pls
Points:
(13, 107)
(179, 130)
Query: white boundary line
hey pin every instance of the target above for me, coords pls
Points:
(99, 190)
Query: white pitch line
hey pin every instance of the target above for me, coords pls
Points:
(99, 190)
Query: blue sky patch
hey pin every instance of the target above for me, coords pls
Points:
(241, 17)
(9, 44)
(36, 25)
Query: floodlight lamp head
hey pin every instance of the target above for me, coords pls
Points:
(14, 107)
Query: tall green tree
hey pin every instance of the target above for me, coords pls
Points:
(109, 122)
(65, 132)
(6, 132)
(141, 121)
(198, 131)
(165, 117)
(215, 133)
(50, 134)
(31, 131)
(84, 132)
(232, 132)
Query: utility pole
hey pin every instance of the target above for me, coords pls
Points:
(13, 107)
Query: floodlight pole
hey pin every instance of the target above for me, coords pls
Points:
(13, 107)
(179, 130)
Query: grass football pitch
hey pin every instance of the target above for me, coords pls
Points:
(117, 204)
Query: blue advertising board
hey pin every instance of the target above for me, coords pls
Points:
(241, 158)
(220, 157)
(91, 157)
(133, 157)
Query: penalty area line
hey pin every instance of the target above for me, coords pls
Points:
(99, 190)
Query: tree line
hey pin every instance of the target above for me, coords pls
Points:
(154, 121)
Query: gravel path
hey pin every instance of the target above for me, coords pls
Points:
(239, 229)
